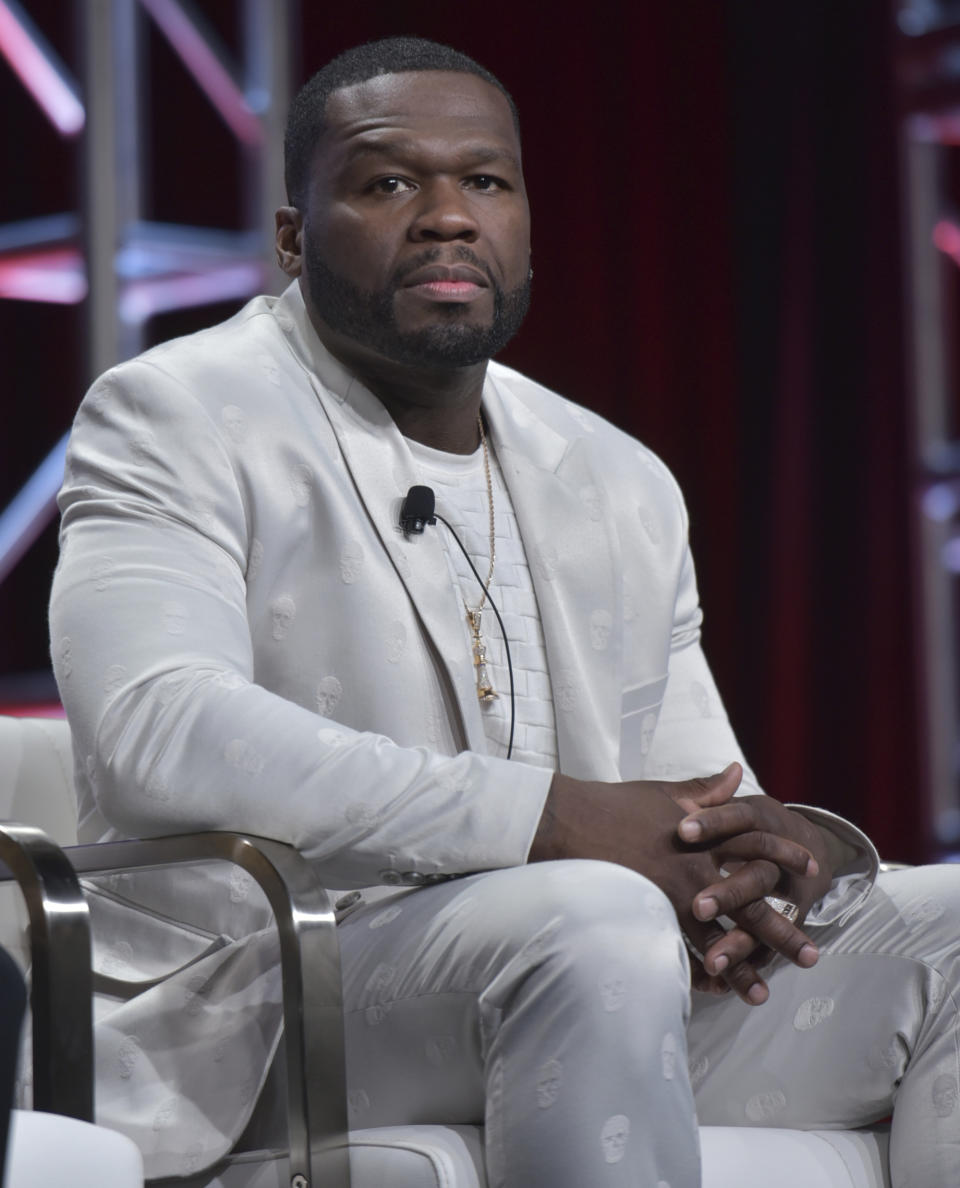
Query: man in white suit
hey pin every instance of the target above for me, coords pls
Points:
(245, 637)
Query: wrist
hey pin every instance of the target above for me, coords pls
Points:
(567, 827)
(551, 840)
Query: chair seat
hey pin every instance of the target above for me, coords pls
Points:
(48, 1149)
(757, 1157)
(733, 1157)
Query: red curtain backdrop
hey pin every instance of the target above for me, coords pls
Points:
(714, 193)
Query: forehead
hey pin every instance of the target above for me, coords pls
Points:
(428, 107)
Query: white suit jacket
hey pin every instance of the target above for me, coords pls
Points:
(244, 639)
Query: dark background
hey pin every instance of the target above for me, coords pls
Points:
(717, 246)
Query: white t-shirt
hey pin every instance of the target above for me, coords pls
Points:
(460, 486)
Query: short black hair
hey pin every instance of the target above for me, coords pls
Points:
(306, 120)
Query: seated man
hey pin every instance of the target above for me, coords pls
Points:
(246, 638)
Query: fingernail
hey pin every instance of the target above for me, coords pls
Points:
(690, 830)
(721, 963)
(813, 868)
(757, 994)
(707, 908)
(808, 955)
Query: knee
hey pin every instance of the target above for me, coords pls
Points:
(926, 905)
(606, 883)
(589, 893)
(924, 895)
(607, 925)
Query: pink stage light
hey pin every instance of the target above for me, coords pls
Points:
(142, 299)
(43, 709)
(206, 68)
(56, 276)
(946, 237)
(38, 72)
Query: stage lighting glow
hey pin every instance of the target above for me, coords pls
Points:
(940, 503)
(950, 556)
(35, 65)
(946, 237)
(32, 508)
(207, 69)
(142, 299)
(55, 276)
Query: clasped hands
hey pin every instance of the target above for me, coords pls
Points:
(711, 854)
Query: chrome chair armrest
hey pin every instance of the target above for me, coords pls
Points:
(310, 960)
(61, 986)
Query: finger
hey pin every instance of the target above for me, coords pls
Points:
(775, 931)
(748, 817)
(734, 946)
(788, 855)
(711, 823)
(746, 982)
(699, 978)
(747, 884)
(707, 791)
(740, 975)
(705, 983)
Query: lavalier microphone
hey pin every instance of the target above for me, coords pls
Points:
(416, 511)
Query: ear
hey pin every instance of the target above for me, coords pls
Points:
(288, 240)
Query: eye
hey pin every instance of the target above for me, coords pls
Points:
(486, 183)
(391, 185)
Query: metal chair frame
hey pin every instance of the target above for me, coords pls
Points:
(62, 980)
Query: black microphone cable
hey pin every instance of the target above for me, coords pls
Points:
(419, 510)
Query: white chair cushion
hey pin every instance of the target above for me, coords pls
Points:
(36, 776)
(388, 1157)
(757, 1157)
(48, 1149)
(733, 1157)
(36, 787)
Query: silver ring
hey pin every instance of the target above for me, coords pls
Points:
(785, 907)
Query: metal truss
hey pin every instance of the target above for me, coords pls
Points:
(125, 268)
(929, 91)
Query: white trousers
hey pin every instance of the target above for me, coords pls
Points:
(552, 1003)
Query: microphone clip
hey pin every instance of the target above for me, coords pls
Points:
(417, 511)
(415, 525)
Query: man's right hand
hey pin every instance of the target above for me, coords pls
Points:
(635, 825)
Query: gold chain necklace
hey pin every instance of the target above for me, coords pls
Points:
(485, 690)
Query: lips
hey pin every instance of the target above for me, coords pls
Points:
(440, 274)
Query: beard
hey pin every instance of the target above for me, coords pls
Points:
(369, 317)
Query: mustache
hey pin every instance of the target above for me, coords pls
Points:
(435, 255)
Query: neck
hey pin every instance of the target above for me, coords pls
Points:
(438, 410)
(435, 406)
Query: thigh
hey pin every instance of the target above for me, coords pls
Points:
(429, 974)
(833, 1043)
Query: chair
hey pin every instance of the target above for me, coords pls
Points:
(36, 786)
(46, 1149)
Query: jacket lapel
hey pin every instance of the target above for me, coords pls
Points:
(383, 470)
(573, 553)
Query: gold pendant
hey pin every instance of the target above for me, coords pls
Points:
(485, 690)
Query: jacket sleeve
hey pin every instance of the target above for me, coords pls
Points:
(153, 655)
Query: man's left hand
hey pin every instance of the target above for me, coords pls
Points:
(721, 825)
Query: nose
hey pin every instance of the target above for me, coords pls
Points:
(443, 213)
